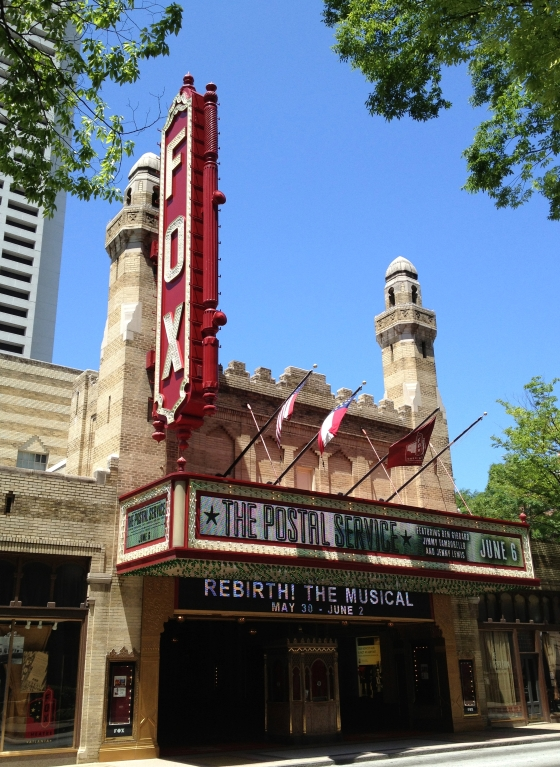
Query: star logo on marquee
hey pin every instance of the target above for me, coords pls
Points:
(406, 538)
(212, 516)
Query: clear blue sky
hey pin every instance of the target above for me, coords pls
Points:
(320, 198)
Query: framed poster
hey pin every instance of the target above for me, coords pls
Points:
(466, 671)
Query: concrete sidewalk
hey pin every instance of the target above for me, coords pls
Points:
(348, 753)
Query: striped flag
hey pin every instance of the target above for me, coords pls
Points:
(286, 412)
(332, 422)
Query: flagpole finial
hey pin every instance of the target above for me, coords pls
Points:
(249, 406)
(314, 364)
(485, 414)
(364, 383)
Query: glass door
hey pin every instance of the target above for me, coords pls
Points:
(530, 670)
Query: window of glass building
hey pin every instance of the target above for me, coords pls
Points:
(37, 461)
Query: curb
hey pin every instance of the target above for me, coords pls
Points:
(373, 756)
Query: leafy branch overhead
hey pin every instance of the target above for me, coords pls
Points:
(528, 479)
(512, 51)
(57, 132)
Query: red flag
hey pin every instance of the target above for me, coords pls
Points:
(410, 450)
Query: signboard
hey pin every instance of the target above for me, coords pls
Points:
(186, 361)
(307, 526)
(146, 524)
(225, 528)
(231, 595)
(368, 651)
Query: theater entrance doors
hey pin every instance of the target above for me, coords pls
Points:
(214, 678)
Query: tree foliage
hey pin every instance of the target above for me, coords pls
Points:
(57, 132)
(528, 479)
(512, 51)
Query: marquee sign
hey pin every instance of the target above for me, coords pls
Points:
(186, 358)
(227, 518)
(242, 526)
(301, 599)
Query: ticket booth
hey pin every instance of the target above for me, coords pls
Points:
(302, 694)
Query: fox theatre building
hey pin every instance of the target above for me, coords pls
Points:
(299, 615)
(282, 597)
(199, 572)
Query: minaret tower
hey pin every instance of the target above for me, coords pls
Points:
(406, 332)
(123, 426)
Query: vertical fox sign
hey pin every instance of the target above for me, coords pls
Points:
(186, 359)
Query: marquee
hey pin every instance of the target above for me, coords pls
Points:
(199, 526)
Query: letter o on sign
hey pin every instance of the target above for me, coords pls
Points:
(178, 225)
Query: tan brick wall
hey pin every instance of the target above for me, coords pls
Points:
(35, 400)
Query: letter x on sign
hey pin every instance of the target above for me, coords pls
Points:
(173, 356)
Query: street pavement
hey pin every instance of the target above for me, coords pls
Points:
(530, 746)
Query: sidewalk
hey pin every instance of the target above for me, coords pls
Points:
(354, 753)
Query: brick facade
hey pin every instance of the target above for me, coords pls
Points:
(99, 422)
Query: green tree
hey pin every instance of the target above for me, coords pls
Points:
(512, 52)
(528, 479)
(57, 133)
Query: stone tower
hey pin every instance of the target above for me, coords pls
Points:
(406, 332)
(123, 423)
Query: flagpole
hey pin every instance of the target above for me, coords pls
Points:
(262, 440)
(364, 432)
(267, 424)
(438, 455)
(373, 468)
(306, 448)
(441, 463)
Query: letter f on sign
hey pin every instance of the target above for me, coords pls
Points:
(173, 356)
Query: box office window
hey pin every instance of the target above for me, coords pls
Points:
(500, 679)
(39, 663)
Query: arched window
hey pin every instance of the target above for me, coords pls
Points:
(155, 197)
(520, 608)
(535, 612)
(7, 574)
(35, 589)
(129, 195)
(391, 293)
(546, 610)
(296, 684)
(491, 607)
(70, 586)
(319, 683)
(414, 294)
(506, 607)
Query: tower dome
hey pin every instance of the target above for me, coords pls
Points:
(401, 265)
(149, 161)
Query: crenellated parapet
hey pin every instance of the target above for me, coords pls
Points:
(317, 392)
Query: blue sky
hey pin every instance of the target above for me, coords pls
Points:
(320, 198)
